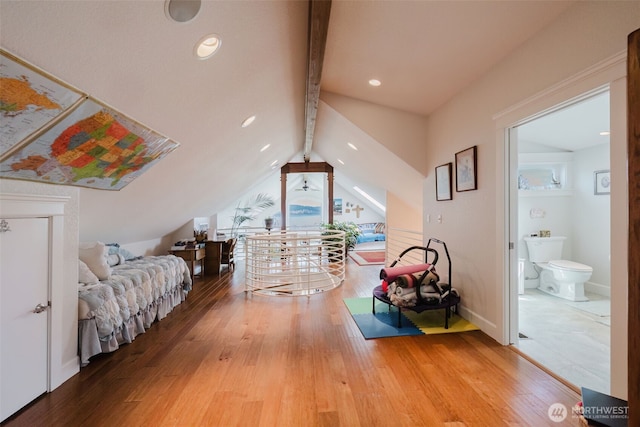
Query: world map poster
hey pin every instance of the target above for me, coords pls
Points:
(94, 146)
(29, 100)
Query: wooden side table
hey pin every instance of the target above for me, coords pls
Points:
(192, 256)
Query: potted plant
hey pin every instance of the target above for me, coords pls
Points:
(268, 223)
(249, 211)
(351, 232)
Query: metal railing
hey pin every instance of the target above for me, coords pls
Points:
(399, 239)
(294, 263)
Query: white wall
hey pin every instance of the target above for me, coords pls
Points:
(401, 132)
(271, 186)
(367, 214)
(474, 222)
(591, 225)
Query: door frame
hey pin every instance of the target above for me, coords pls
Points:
(53, 208)
(512, 156)
(607, 73)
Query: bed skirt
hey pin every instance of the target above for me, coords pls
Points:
(90, 343)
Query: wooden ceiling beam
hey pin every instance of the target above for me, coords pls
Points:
(306, 167)
(319, 12)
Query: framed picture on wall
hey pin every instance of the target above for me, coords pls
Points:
(466, 170)
(337, 206)
(602, 182)
(443, 182)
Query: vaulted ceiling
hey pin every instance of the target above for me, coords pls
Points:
(133, 57)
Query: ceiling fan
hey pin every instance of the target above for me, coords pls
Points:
(306, 187)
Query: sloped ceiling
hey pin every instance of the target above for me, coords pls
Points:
(129, 55)
(424, 52)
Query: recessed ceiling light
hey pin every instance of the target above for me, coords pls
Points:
(352, 146)
(248, 121)
(208, 46)
(265, 147)
(605, 133)
(375, 82)
(341, 162)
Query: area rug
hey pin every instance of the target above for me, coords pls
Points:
(600, 308)
(368, 257)
(432, 322)
(385, 323)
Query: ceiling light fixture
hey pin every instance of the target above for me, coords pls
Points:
(352, 146)
(275, 162)
(375, 82)
(246, 122)
(182, 10)
(207, 46)
(605, 133)
(341, 162)
(265, 147)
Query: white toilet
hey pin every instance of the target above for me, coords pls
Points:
(564, 279)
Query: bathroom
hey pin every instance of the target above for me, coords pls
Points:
(563, 190)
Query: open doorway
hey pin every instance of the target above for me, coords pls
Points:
(561, 233)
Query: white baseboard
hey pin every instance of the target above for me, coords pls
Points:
(68, 370)
(598, 289)
(485, 325)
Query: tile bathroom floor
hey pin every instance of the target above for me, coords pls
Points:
(572, 339)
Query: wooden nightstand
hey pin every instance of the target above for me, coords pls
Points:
(192, 256)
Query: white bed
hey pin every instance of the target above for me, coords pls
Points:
(125, 297)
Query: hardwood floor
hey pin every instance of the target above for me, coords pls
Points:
(225, 358)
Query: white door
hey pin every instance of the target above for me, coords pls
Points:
(24, 275)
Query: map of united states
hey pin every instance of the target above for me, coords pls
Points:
(95, 147)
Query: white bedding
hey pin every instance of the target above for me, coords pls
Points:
(137, 293)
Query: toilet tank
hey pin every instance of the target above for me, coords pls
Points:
(544, 249)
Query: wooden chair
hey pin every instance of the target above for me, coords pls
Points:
(228, 248)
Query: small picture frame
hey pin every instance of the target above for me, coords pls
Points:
(443, 182)
(602, 182)
(337, 206)
(466, 170)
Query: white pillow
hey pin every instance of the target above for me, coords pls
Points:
(95, 256)
(85, 275)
